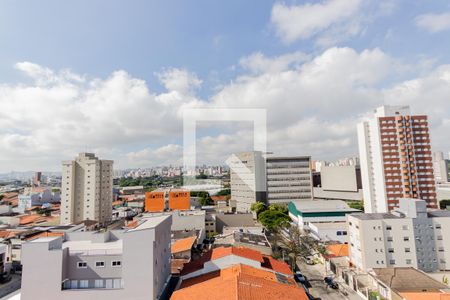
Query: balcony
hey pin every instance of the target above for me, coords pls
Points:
(92, 284)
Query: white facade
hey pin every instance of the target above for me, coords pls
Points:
(269, 179)
(118, 264)
(408, 237)
(86, 191)
(441, 167)
(247, 179)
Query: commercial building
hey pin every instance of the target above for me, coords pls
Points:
(270, 179)
(86, 191)
(338, 183)
(247, 179)
(303, 213)
(119, 264)
(395, 158)
(441, 168)
(288, 179)
(410, 236)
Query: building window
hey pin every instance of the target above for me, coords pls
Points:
(391, 250)
(392, 261)
(99, 264)
(408, 261)
(390, 239)
(407, 250)
(99, 283)
(82, 265)
(406, 238)
(84, 284)
(438, 226)
(74, 284)
(405, 227)
(117, 263)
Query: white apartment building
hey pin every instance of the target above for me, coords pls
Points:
(247, 179)
(441, 168)
(270, 179)
(410, 236)
(117, 264)
(288, 179)
(395, 159)
(86, 190)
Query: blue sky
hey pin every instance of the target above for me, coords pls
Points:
(208, 54)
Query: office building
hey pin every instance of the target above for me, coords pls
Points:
(247, 179)
(441, 168)
(288, 179)
(409, 236)
(118, 264)
(86, 190)
(338, 183)
(395, 159)
(270, 179)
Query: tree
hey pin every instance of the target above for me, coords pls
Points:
(298, 244)
(224, 192)
(258, 207)
(1, 197)
(357, 205)
(444, 203)
(273, 219)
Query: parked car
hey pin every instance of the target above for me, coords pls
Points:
(300, 278)
(331, 283)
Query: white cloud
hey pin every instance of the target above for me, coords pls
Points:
(306, 20)
(313, 104)
(434, 22)
(179, 80)
(259, 63)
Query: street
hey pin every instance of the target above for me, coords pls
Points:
(319, 289)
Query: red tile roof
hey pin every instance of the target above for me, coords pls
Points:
(183, 244)
(266, 261)
(239, 282)
(276, 265)
(238, 251)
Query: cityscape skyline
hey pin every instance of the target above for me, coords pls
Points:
(327, 74)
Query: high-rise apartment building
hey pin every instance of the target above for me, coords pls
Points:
(271, 179)
(86, 190)
(288, 179)
(441, 168)
(395, 158)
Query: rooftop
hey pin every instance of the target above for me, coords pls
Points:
(240, 282)
(91, 248)
(408, 280)
(337, 250)
(183, 244)
(151, 222)
(375, 216)
(309, 206)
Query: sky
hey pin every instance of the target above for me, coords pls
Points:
(114, 77)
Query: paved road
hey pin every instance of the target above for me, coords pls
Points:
(319, 289)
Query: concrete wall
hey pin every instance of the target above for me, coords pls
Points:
(339, 178)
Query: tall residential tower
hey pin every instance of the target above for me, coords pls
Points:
(86, 191)
(395, 158)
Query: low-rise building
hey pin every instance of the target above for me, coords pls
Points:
(319, 211)
(119, 264)
(248, 237)
(410, 236)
